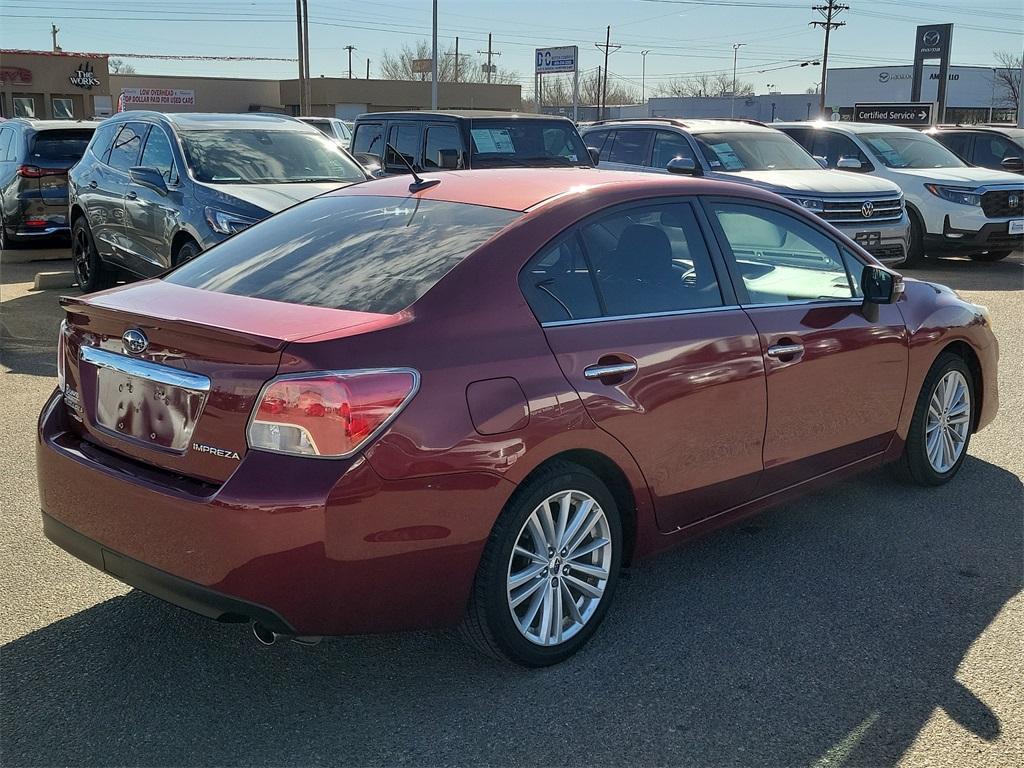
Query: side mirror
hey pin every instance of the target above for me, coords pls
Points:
(148, 177)
(848, 164)
(684, 166)
(822, 161)
(595, 155)
(880, 286)
(1013, 164)
(370, 162)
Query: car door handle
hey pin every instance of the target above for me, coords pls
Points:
(609, 371)
(779, 351)
(93, 184)
(132, 196)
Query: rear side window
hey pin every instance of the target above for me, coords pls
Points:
(404, 138)
(6, 140)
(369, 138)
(60, 146)
(443, 147)
(558, 283)
(369, 254)
(102, 139)
(630, 147)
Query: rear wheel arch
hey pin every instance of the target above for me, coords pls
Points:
(614, 478)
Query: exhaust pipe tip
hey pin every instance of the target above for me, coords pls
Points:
(264, 635)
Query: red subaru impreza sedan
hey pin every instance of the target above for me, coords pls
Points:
(396, 407)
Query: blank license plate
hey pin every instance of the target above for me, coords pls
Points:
(147, 411)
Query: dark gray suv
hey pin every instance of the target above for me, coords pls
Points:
(154, 190)
(35, 156)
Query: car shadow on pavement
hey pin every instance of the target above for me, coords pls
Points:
(828, 630)
(963, 274)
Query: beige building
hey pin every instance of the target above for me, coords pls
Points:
(170, 93)
(60, 85)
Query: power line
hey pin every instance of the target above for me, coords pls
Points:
(828, 13)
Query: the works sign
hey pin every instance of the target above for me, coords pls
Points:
(906, 113)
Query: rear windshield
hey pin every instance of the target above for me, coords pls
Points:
(501, 143)
(60, 145)
(369, 254)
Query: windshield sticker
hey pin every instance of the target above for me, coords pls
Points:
(493, 140)
(891, 156)
(728, 157)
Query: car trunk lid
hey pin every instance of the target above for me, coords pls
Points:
(169, 375)
(50, 156)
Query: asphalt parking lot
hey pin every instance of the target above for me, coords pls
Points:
(868, 624)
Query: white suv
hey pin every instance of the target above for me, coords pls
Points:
(869, 211)
(954, 207)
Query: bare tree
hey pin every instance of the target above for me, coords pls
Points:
(1007, 77)
(118, 67)
(704, 85)
(398, 65)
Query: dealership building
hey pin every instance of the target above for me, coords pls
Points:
(65, 85)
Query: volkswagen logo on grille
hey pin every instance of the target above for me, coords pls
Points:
(868, 209)
(1013, 201)
(134, 341)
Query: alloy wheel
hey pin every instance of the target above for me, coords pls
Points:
(559, 568)
(948, 422)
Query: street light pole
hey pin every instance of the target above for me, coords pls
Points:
(735, 52)
(433, 65)
(643, 76)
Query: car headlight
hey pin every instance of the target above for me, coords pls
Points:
(815, 206)
(227, 223)
(958, 195)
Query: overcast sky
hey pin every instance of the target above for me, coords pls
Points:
(683, 36)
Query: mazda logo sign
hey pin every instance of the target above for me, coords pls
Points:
(868, 209)
(134, 341)
(931, 38)
(883, 77)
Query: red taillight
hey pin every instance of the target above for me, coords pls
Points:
(35, 172)
(329, 414)
(35, 223)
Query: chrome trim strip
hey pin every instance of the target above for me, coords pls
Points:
(671, 313)
(805, 302)
(172, 377)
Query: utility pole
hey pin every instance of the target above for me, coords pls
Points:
(433, 65)
(1020, 95)
(643, 76)
(54, 29)
(735, 53)
(828, 13)
(367, 68)
(607, 48)
(456, 55)
(350, 48)
(490, 52)
(302, 58)
(305, 54)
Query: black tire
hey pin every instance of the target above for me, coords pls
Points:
(990, 256)
(489, 625)
(915, 248)
(6, 244)
(91, 272)
(914, 466)
(187, 251)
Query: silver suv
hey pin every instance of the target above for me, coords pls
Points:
(869, 211)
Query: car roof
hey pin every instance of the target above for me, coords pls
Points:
(692, 125)
(1009, 130)
(845, 126)
(471, 114)
(220, 121)
(49, 125)
(520, 189)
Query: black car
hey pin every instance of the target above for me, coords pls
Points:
(988, 146)
(452, 140)
(35, 156)
(153, 190)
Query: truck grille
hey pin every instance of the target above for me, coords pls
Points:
(888, 253)
(997, 203)
(850, 211)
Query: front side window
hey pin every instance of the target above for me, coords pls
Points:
(958, 143)
(24, 106)
(782, 259)
(157, 154)
(991, 150)
(833, 146)
(369, 139)
(518, 142)
(124, 153)
(897, 149)
(259, 156)
(754, 151)
(630, 146)
(598, 140)
(403, 138)
(667, 147)
(357, 252)
(443, 147)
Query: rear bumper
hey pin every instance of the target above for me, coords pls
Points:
(185, 594)
(993, 236)
(328, 547)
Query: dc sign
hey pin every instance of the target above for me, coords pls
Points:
(553, 60)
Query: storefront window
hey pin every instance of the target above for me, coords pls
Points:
(24, 106)
(63, 109)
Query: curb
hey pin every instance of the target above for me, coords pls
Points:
(46, 280)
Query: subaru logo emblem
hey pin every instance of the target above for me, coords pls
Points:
(1014, 201)
(868, 209)
(134, 341)
(931, 38)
